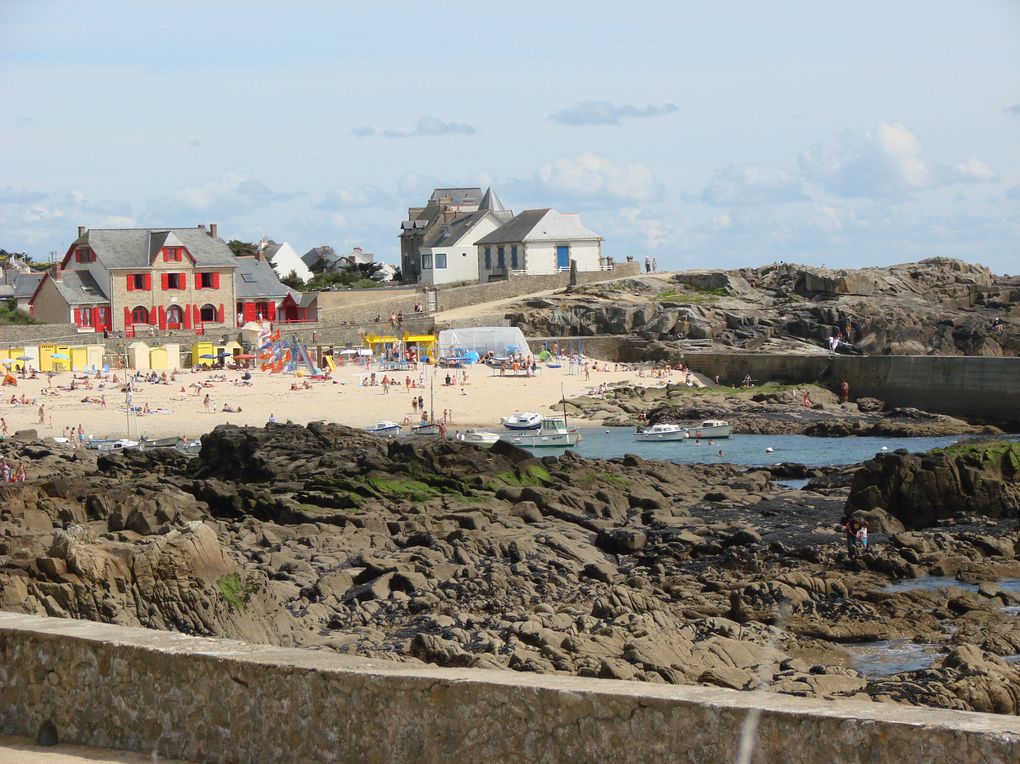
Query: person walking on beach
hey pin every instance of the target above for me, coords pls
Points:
(3, 426)
(587, 372)
(208, 404)
(42, 413)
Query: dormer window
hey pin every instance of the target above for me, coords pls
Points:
(172, 254)
(84, 255)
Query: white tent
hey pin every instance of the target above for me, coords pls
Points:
(500, 340)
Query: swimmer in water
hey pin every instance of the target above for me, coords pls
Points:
(721, 452)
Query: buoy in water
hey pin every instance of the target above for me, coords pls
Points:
(768, 450)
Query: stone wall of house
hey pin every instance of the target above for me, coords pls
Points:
(170, 695)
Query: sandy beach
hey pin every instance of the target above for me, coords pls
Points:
(179, 408)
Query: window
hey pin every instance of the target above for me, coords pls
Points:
(500, 258)
(426, 262)
(488, 259)
(84, 317)
(208, 313)
(172, 254)
(84, 255)
(262, 309)
(140, 315)
(440, 260)
(138, 281)
(513, 256)
(175, 281)
(174, 316)
(208, 280)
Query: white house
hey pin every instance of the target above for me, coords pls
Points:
(538, 242)
(449, 255)
(284, 259)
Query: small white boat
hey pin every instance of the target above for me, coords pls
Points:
(110, 444)
(661, 432)
(522, 420)
(480, 437)
(553, 433)
(428, 428)
(384, 428)
(710, 428)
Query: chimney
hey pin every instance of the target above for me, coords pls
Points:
(55, 271)
(212, 229)
(81, 231)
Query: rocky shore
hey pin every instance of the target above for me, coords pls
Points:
(767, 410)
(438, 551)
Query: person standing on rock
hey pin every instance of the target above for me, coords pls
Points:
(844, 391)
(648, 265)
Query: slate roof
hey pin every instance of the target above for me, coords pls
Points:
(26, 284)
(311, 257)
(491, 202)
(256, 278)
(80, 288)
(136, 247)
(456, 195)
(459, 227)
(516, 229)
(541, 225)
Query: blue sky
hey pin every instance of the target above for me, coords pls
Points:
(703, 134)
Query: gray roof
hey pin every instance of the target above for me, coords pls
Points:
(456, 195)
(459, 226)
(304, 299)
(136, 247)
(312, 256)
(256, 278)
(80, 288)
(491, 202)
(26, 284)
(516, 229)
(271, 249)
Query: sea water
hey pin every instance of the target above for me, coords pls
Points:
(750, 450)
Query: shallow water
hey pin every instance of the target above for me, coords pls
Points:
(892, 656)
(931, 583)
(614, 442)
(796, 484)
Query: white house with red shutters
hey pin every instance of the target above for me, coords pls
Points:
(147, 278)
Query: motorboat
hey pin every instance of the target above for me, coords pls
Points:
(661, 432)
(522, 420)
(184, 445)
(710, 428)
(384, 427)
(110, 444)
(479, 437)
(552, 433)
(428, 428)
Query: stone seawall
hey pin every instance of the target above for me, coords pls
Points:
(212, 700)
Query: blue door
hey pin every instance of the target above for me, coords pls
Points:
(563, 258)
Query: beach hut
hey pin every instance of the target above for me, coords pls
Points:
(231, 348)
(14, 355)
(165, 357)
(138, 356)
(200, 349)
(95, 356)
(46, 360)
(422, 344)
(79, 357)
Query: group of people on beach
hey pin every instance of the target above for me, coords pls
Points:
(11, 474)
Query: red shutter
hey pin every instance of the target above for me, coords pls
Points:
(166, 255)
(249, 312)
(130, 282)
(152, 316)
(216, 280)
(127, 317)
(187, 316)
(271, 310)
(77, 317)
(163, 280)
(198, 281)
(96, 323)
(162, 317)
(219, 313)
(148, 282)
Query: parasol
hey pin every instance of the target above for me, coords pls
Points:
(60, 356)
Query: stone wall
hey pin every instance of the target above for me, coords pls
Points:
(208, 700)
(18, 335)
(517, 286)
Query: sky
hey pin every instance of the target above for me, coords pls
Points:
(722, 135)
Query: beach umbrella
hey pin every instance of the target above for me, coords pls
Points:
(60, 356)
(223, 354)
(24, 358)
(7, 361)
(245, 356)
(208, 356)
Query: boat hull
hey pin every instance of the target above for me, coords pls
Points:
(480, 437)
(713, 431)
(678, 436)
(538, 440)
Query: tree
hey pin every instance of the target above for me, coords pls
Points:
(293, 281)
(242, 248)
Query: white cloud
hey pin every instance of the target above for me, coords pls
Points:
(231, 194)
(359, 196)
(590, 176)
(971, 170)
(654, 231)
(606, 113)
(877, 163)
(425, 126)
(741, 185)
